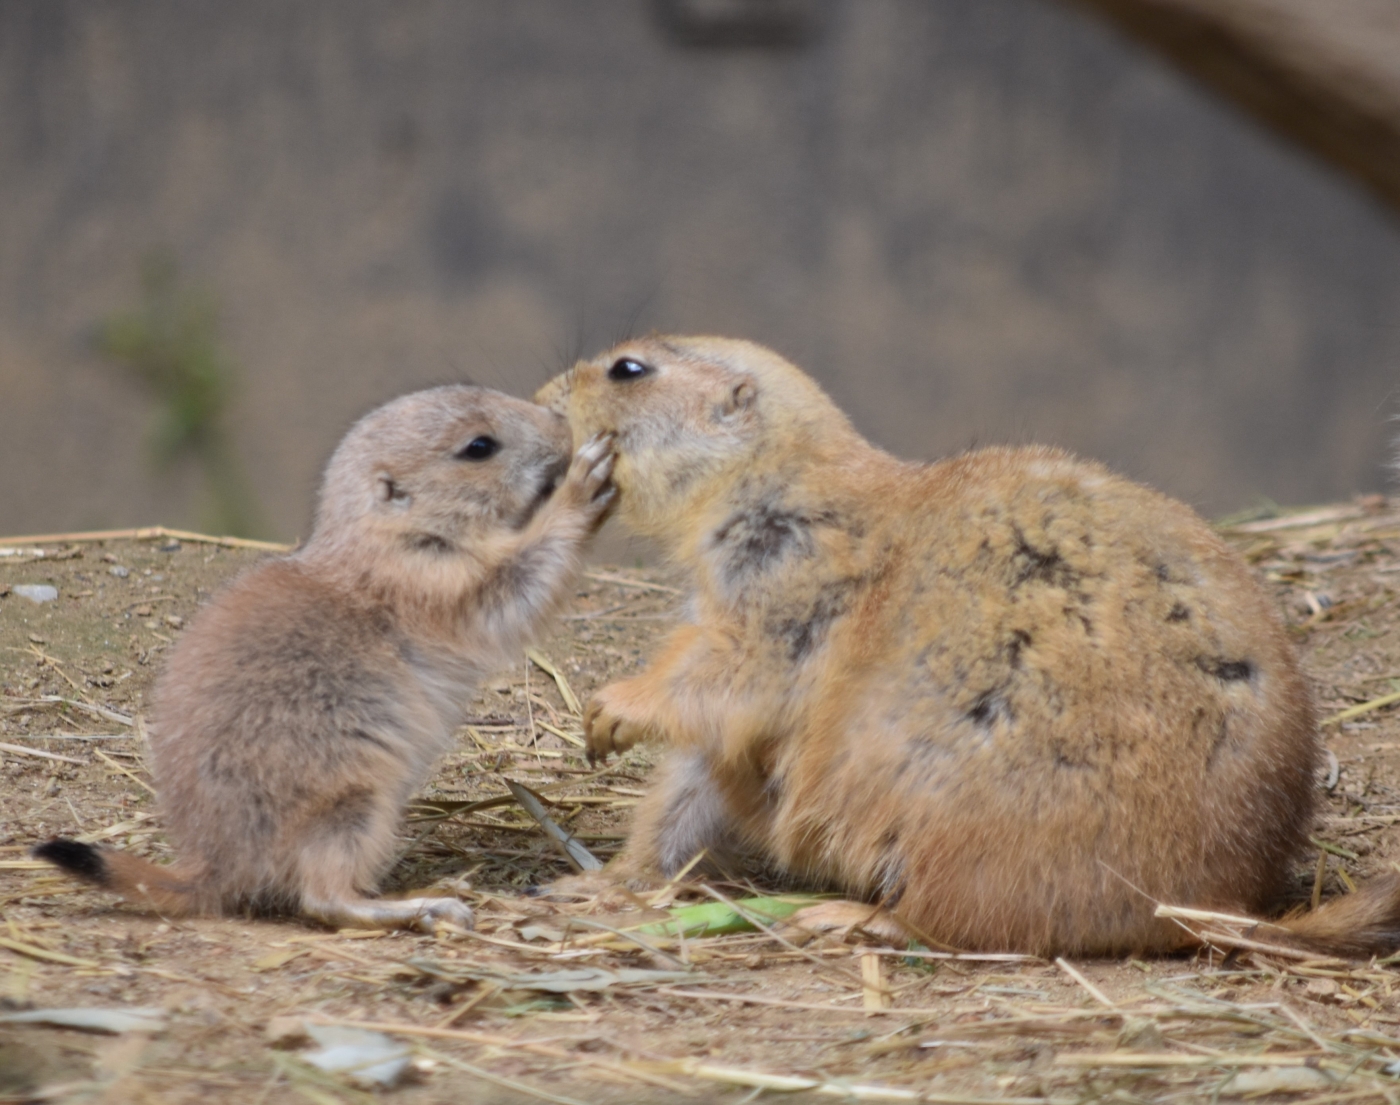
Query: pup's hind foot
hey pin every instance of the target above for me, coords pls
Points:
(852, 917)
(429, 915)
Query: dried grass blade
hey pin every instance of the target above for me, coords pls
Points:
(1333, 849)
(854, 1091)
(788, 1083)
(452, 809)
(641, 585)
(46, 659)
(543, 662)
(146, 533)
(19, 750)
(114, 830)
(1230, 940)
(1185, 913)
(785, 1003)
(1176, 1059)
(571, 738)
(574, 851)
(631, 937)
(663, 897)
(125, 771)
(498, 1080)
(970, 957)
(1316, 516)
(1093, 991)
(876, 994)
(1363, 708)
(89, 707)
(21, 948)
(486, 1039)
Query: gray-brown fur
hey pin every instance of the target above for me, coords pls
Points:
(1012, 696)
(305, 704)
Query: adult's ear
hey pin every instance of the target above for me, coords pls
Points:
(741, 395)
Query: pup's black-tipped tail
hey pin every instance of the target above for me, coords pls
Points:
(166, 889)
(82, 860)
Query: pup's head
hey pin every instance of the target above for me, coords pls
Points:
(693, 415)
(431, 471)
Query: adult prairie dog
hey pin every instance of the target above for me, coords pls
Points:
(307, 702)
(1015, 698)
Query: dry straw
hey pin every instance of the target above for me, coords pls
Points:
(728, 997)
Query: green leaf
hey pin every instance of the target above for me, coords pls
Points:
(718, 918)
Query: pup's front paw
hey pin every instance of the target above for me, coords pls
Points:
(609, 725)
(588, 486)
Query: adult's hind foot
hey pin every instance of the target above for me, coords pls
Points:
(839, 915)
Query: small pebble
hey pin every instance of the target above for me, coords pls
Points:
(1321, 988)
(285, 1032)
(118, 571)
(368, 1058)
(174, 621)
(170, 546)
(36, 592)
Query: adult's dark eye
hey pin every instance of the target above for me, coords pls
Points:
(479, 448)
(628, 369)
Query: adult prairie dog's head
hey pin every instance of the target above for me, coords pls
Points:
(430, 472)
(693, 416)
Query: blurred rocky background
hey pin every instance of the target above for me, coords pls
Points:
(974, 220)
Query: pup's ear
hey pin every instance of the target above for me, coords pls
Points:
(741, 394)
(387, 491)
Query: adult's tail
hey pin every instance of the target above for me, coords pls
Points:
(1351, 926)
(164, 889)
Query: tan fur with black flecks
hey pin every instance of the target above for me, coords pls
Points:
(1012, 696)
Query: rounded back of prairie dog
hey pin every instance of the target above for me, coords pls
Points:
(1020, 696)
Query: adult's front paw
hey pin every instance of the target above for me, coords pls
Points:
(611, 722)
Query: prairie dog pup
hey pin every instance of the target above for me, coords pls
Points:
(307, 701)
(1010, 695)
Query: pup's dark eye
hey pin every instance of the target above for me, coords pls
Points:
(628, 369)
(479, 448)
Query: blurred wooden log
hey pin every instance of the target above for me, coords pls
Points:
(1323, 72)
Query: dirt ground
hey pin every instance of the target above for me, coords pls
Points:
(731, 1017)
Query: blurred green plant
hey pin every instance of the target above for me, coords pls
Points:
(171, 344)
